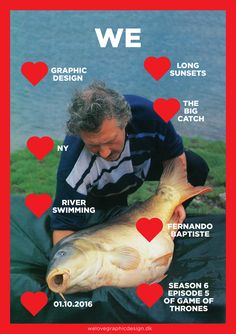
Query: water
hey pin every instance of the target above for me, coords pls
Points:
(67, 38)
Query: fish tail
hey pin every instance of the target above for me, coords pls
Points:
(174, 176)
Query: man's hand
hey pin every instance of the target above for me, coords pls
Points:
(179, 214)
(60, 234)
(177, 218)
(181, 157)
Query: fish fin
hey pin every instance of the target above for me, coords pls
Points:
(126, 258)
(62, 296)
(159, 279)
(175, 176)
(163, 260)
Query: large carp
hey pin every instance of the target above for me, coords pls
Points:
(115, 253)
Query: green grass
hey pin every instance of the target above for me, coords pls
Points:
(28, 175)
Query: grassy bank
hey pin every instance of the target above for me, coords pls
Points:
(28, 175)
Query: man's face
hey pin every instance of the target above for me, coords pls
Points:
(108, 143)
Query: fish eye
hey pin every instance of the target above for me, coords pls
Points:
(61, 253)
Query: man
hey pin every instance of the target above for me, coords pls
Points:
(115, 144)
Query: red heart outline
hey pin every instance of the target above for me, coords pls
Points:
(157, 67)
(149, 228)
(38, 204)
(149, 293)
(33, 302)
(40, 147)
(166, 108)
(34, 72)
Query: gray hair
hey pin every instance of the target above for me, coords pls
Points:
(90, 107)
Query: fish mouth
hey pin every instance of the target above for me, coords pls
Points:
(58, 279)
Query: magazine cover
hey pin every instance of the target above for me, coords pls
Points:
(118, 168)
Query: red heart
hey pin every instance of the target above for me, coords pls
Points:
(166, 109)
(149, 294)
(157, 67)
(34, 302)
(38, 204)
(149, 228)
(40, 147)
(34, 72)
